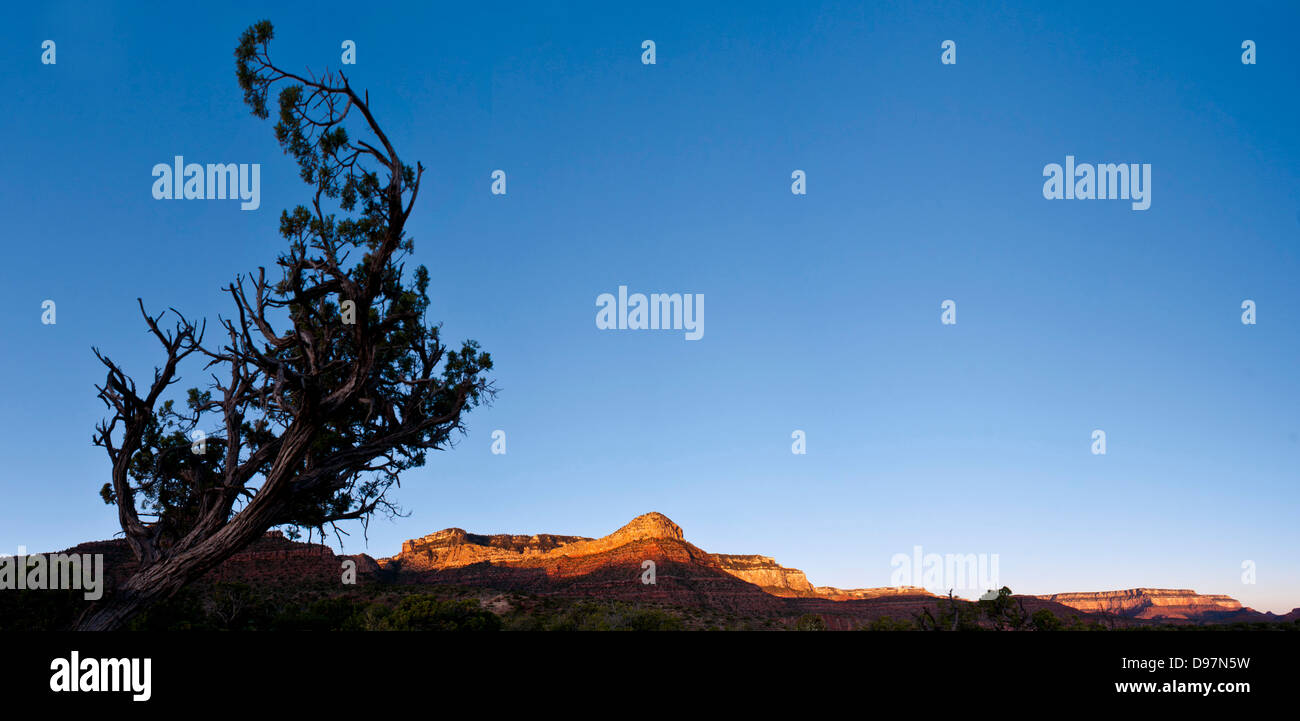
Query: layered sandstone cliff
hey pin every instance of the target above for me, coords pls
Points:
(851, 594)
(455, 548)
(767, 574)
(1149, 603)
(778, 580)
(652, 536)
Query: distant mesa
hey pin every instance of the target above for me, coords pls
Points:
(1151, 603)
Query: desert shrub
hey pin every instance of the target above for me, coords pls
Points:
(40, 610)
(324, 614)
(885, 623)
(596, 616)
(1045, 620)
(426, 613)
(810, 622)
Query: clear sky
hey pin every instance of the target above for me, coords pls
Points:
(924, 183)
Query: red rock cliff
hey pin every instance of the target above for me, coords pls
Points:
(1149, 603)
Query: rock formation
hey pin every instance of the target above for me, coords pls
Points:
(1150, 603)
(778, 580)
(454, 548)
(614, 567)
(767, 574)
(610, 566)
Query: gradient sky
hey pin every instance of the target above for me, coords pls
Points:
(924, 184)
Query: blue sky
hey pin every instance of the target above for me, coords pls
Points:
(924, 184)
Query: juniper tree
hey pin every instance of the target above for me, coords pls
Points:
(325, 384)
(1004, 611)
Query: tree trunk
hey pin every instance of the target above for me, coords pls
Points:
(160, 580)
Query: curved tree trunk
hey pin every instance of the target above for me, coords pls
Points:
(160, 580)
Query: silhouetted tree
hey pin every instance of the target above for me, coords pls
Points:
(1045, 620)
(1005, 612)
(885, 623)
(326, 384)
(955, 616)
(810, 622)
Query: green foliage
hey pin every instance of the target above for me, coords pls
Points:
(254, 95)
(597, 616)
(951, 615)
(28, 610)
(1077, 624)
(1045, 620)
(810, 622)
(885, 623)
(369, 617)
(170, 480)
(1004, 612)
(427, 613)
(182, 612)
